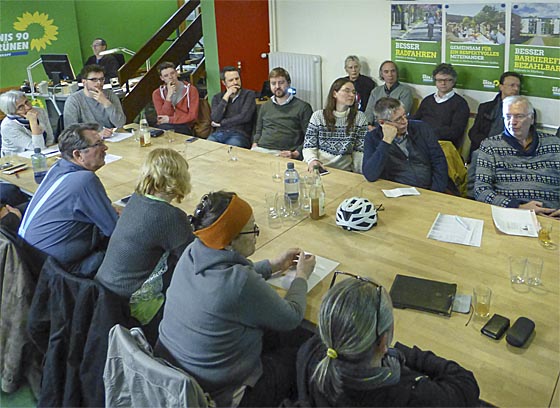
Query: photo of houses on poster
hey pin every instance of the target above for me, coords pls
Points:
(475, 44)
(535, 47)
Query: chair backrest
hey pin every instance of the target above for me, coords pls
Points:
(134, 377)
(455, 166)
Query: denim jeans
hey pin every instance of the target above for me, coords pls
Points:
(231, 137)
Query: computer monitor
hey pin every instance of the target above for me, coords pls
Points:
(57, 67)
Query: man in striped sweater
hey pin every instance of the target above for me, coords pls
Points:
(520, 167)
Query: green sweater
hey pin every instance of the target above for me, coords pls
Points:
(282, 127)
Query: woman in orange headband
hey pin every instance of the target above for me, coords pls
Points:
(219, 305)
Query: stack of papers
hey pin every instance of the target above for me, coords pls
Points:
(49, 152)
(398, 192)
(323, 267)
(118, 136)
(457, 230)
(515, 221)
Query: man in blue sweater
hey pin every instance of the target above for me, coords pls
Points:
(520, 167)
(403, 151)
(70, 216)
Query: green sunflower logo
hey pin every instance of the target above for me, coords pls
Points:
(45, 31)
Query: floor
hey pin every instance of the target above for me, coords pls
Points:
(19, 399)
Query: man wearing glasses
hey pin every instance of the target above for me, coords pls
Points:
(109, 62)
(93, 104)
(70, 216)
(519, 168)
(445, 111)
(403, 151)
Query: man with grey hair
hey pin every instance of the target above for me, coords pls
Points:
(403, 151)
(363, 84)
(70, 216)
(519, 168)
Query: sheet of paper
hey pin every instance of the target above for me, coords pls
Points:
(323, 267)
(398, 192)
(49, 151)
(515, 221)
(117, 137)
(457, 230)
(110, 158)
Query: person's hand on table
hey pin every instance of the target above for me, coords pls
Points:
(288, 154)
(106, 132)
(311, 165)
(555, 214)
(305, 265)
(285, 260)
(537, 206)
(162, 119)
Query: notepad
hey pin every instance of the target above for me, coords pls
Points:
(323, 267)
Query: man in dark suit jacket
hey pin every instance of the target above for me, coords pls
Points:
(489, 121)
(109, 62)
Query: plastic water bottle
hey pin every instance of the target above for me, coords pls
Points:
(39, 163)
(145, 137)
(291, 184)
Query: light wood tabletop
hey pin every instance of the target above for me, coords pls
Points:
(507, 376)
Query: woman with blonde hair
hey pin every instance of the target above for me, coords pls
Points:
(350, 363)
(151, 234)
(335, 135)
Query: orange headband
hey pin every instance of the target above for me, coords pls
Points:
(227, 226)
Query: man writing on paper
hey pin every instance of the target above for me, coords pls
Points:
(519, 168)
(403, 151)
(93, 104)
(70, 216)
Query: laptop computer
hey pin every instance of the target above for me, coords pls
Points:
(408, 292)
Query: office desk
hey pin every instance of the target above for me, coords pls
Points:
(507, 376)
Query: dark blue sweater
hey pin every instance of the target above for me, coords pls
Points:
(425, 166)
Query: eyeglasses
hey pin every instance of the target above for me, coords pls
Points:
(400, 119)
(93, 146)
(443, 80)
(348, 91)
(255, 231)
(97, 45)
(516, 116)
(379, 289)
(24, 105)
(102, 79)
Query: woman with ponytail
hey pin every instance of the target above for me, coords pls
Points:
(350, 362)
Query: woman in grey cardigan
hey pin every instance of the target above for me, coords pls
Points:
(24, 127)
(219, 305)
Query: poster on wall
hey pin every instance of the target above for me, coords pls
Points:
(535, 47)
(416, 40)
(475, 44)
(29, 29)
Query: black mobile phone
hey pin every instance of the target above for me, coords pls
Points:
(323, 171)
(495, 327)
(191, 139)
(6, 166)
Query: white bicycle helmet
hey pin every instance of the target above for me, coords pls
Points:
(356, 214)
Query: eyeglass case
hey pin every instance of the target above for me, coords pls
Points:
(520, 332)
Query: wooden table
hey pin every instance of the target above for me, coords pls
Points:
(507, 376)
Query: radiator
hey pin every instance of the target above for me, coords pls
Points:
(305, 71)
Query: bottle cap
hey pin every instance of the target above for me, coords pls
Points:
(37, 150)
(290, 165)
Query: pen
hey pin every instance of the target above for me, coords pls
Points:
(462, 223)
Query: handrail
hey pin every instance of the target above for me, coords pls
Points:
(129, 69)
(135, 101)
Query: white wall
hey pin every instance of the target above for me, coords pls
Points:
(335, 29)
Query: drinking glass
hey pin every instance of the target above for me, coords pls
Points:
(170, 135)
(274, 219)
(534, 271)
(517, 269)
(482, 296)
(276, 171)
(545, 235)
(232, 153)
